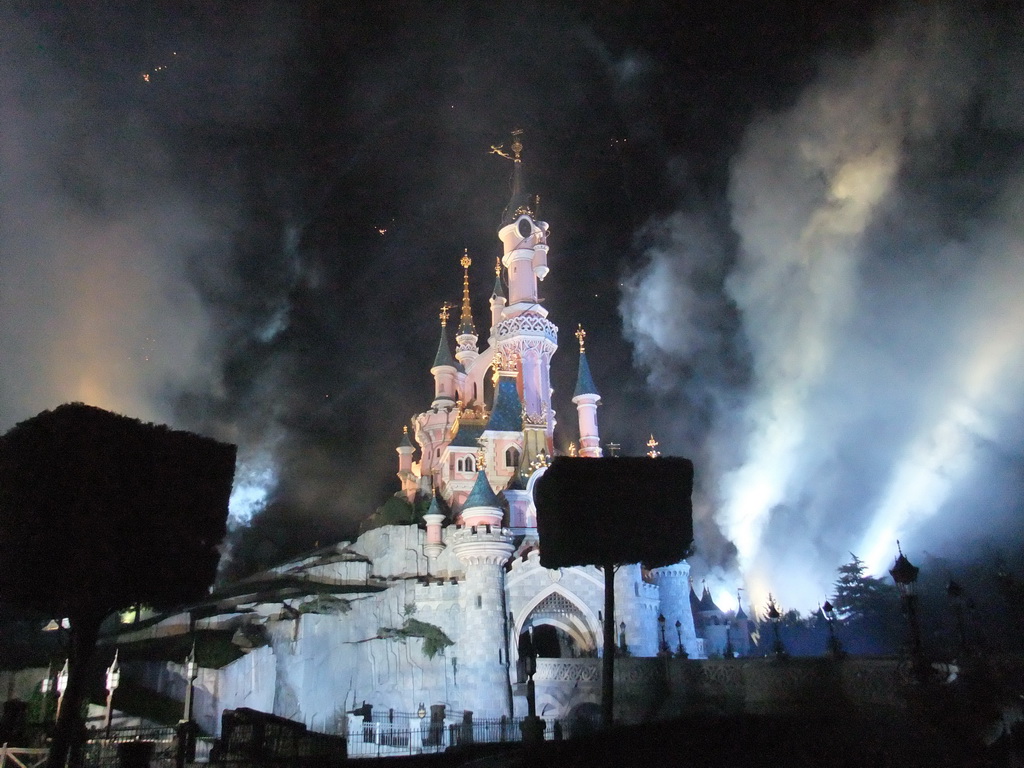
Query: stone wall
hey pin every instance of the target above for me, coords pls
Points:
(655, 689)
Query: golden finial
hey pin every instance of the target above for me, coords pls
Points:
(517, 145)
(445, 309)
(497, 266)
(405, 430)
(580, 335)
(467, 312)
(572, 449)
(652, 446)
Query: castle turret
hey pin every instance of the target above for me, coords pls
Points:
(433, 427)
(586, 398)
(674, 603)
(434, 518)
(406, 475)
(466, 351)
(483, 547)
(497, 299)
(444, 368)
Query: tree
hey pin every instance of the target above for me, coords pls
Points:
(100, 511)
(868, 608)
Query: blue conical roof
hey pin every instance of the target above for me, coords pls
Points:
(584, 381)
(481, 495)
(406, 442)
(507, 414)
(444, 352)
(435, 507)
(499, 289)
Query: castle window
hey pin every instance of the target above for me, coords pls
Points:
(469, 464)
(479, 602)
(459, 465)
(512, 457)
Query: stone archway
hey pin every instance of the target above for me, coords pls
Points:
(567, 621)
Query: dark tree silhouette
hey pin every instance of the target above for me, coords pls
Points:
(99, 512)
(868, 608)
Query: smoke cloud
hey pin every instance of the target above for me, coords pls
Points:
(877, 260)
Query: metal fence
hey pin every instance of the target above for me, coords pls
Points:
(407, 734)
(157, 746)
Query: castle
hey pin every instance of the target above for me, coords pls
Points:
(426, 608)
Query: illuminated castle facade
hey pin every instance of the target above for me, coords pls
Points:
(428, 605)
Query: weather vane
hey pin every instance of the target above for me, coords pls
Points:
(517, 147)
(445, 309)
(580, 335)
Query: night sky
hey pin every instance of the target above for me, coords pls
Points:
(793, 231)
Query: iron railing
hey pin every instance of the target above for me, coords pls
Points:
(407, 734)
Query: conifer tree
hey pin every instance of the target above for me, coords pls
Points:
(867, 606)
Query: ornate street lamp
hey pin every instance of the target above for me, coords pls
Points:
(421, 712)
(775, 618)
(622, 636)
(835, 648)
(663, 646)
(532, 727)
(191, 673)
(62, 685)
(905, 576)
(680, 651)
(113, 680)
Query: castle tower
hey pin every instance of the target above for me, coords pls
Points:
(444, 368)
(674, 603)
(497, 300)
(433, 427)
(406, 476)
(466, 350)
(483, 547)
(525, 339)
(586, 398)
(434, 518)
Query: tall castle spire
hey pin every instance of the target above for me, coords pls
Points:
(444, 368)
(519, 201)
(466, 351)
(466, 320)
(586, 398)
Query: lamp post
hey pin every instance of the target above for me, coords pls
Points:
(835, 648)
(622, 637)
(680, 651)
(775, 618)
(187, 728)
(191, 673)
(113, 680)
(905, 576)
(532, 727)
(663, 644)
(62, 685)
